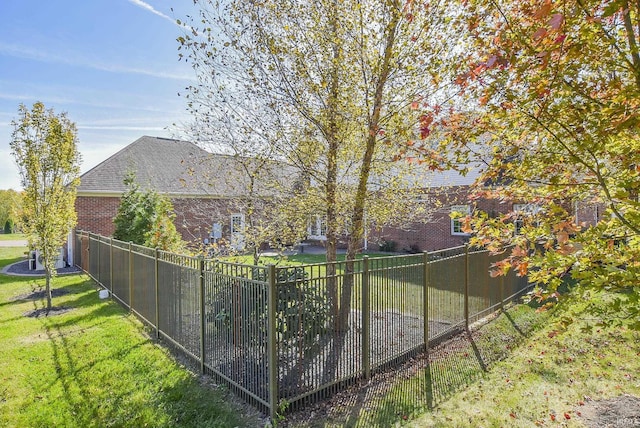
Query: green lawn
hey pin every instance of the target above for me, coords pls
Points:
(93, 366)
(12, 237)
(525, 368)
(550, 378)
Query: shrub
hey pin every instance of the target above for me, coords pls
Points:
(388, 246)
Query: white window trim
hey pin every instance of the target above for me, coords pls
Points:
(320, 223)
(241, 217)
(463, 209)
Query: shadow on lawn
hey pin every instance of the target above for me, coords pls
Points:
(422, 383)
(101, 371)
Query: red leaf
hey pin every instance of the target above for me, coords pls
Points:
(556, 21)
(523, 268)
(552, 416)
(544, 10)
(513, 415)
(539, 34)
(425, 122)
(560, 39)
(567, 416)
(492, 60)
(563, 237)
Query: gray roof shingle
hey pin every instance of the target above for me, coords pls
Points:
(175, 168)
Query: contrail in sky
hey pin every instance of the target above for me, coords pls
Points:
(151, 9)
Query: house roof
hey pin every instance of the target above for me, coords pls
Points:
(175, 168)
(420, 176)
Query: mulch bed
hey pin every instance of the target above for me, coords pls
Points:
(22, 268)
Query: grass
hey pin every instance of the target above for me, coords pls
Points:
(523, 369)
(549, 378)
(12, 237)
(93, 365)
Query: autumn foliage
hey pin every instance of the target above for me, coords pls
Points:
(545, 102)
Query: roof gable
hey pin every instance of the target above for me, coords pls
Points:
(181, 168)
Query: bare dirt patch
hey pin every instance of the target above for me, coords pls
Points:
(618, 412)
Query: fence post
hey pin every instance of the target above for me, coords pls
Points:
(202, 313)
(99, 260)
(426, 280)
(366, 319)
(130, 277)
(155, 268)
(502, 292)
(111, 266)
(466, 286)
(89, 254)
(272, 351)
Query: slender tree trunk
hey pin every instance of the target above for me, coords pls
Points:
(332, 169)
(47, 287)
(357, 218)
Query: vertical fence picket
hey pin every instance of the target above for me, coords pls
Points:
(99, 259)
(466, 287)
(130, 277)
(425, 299)
(272, 350)
(110, 266)
(201, 301)
(366, 319)
(501, 292)
(155, 289)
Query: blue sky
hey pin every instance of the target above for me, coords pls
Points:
(112, 65)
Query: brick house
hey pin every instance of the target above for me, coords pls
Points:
(206, 189)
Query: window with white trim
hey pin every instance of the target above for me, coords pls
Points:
(458, 213)
(317, 228)
(237, 224)
(237, 231)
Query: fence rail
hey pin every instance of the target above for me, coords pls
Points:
(297, 333)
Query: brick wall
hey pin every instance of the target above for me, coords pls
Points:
(194, 217)
(95, 214)
(434, 231)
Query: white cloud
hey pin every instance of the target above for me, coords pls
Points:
(151, 9)
(147, 6)
(69, 58)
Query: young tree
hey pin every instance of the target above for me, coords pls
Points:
(555, 88)
(10, 209)
(44, 147)
(146, 218)
(326, 86)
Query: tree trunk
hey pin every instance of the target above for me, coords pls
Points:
(332, 173)
(47, 288)
(357, 218)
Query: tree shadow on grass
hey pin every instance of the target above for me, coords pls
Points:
(421, 384)
(84, 347)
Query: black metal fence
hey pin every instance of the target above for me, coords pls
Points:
(298, 334)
